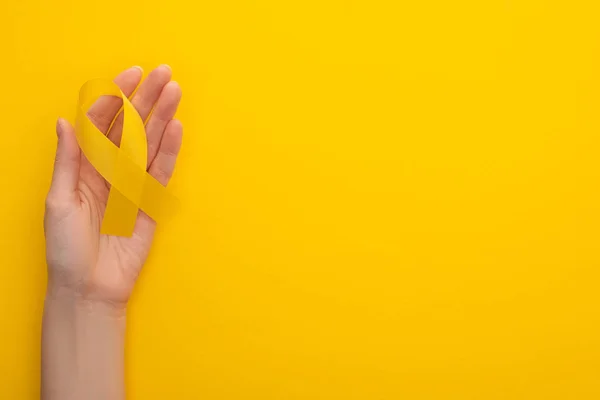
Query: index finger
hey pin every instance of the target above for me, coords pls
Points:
(103, 111)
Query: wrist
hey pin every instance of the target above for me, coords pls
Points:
(73, 300)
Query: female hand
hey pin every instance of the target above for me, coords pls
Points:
(89, 266)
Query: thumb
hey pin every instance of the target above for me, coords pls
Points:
(67, 161)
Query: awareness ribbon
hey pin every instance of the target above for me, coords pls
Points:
(124, 166)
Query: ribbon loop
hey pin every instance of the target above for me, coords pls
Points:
(124, 166)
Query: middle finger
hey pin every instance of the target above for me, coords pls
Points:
(144, 99)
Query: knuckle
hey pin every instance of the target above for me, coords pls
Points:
(162, 175)
(54, 202)
(51, 202)
(97, 118)
(152, 149)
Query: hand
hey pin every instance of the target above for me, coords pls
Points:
(81, 261)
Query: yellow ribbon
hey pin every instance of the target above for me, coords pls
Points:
(124, 167)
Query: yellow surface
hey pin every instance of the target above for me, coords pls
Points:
(380, 200)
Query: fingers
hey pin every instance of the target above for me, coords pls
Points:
(144, 99)
(161, 169)
(66, 165)
(150, 90)
(104, 110)
(164, 163)
(163, 113)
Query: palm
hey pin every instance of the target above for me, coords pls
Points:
(106, 266)
(117, 259)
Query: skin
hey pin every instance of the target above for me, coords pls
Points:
(91, 276)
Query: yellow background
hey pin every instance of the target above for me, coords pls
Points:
(381, 199)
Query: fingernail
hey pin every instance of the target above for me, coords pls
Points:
(60, 126)
(167, 66)
(138, 68)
